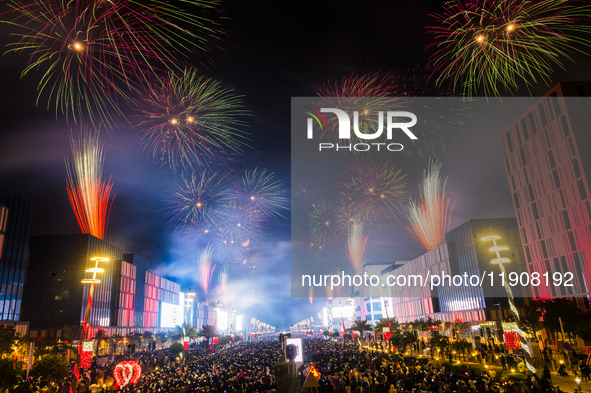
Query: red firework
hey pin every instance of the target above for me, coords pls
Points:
(89, 195)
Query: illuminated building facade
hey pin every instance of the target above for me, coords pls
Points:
(141, 265)
(462, 253)
(158, 290)
(54, 295)
(546, 154)
(203, 314)
(16, 216)
(419, 301)
(124, 289)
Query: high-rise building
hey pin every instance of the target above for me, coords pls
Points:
(54, 295)
(547, 158)
(142, 265)
(16, 215)
(128, 299)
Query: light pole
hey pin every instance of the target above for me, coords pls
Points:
(216, 309)
(188, 303)
(501, 261)
(85, 326)
(232, 315)
(500, 318)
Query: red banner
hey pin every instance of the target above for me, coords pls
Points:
(215, 340)
(386, 335)
(85, 359)
(76, 373)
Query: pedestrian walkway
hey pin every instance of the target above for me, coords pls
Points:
(567, 384)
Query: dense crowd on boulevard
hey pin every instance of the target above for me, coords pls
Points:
(248, 367)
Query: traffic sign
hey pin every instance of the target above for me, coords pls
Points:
(566, 346)
(311, 382)
(314, 372)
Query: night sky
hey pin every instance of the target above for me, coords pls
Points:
(275, 51)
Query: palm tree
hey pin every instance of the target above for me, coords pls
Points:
(383, 323)
(408, 338)
(361, 326)
(208, 331)
(101, 335)
(185, 330)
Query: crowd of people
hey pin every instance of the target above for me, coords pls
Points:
(248, 367)
(346, 369)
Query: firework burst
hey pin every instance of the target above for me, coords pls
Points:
(261, 196)
(323, 222)
(430, 216)
(356, 243)
(366, 85)
(252, 262)
(489, 46)
(89, 195)
(356, 96)
(93, 52)
(200, 201)
(186, 120)
(305, 243)
(306, 190)
(205, 269)
(158, 30)
(83, 72)
(373, 189)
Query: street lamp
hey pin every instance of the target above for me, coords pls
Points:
(188, 303)
(92, 281)
(501, 261)
(216, 309)
(232, 315)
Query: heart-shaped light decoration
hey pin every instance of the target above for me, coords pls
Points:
(127, 372)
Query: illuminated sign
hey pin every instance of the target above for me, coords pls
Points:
(222, 320)
(297, 341)
(88, 346)
(239, 322)
(171, 315)
(342, 312)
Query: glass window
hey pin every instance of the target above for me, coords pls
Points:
(582, 191)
